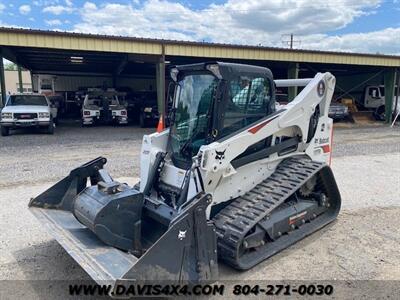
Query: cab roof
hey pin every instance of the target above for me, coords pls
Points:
(27, 94)
(228, 70)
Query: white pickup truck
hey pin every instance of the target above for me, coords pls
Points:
(103, 107)
(27, 110)
(374, 99)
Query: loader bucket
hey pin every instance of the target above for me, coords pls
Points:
(182, 251)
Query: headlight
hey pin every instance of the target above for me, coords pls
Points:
(43, 115)
(6, 115)
(147, 109)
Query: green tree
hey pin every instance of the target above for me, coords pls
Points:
(10, 67)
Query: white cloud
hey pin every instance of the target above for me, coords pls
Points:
(386, 41)
(58, 9)
(240, 22)
(45, 2)
(2, 7)
(54, 22)
(90, 5)
(69, 3)
(31, 19)
(24, 9)
(11, 25)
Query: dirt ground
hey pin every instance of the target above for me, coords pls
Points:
(363, 244)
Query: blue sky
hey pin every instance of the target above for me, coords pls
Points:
(341, 25)
(383, 17)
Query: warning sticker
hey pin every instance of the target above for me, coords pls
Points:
(293, 218)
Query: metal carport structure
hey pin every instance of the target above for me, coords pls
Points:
(53, 52)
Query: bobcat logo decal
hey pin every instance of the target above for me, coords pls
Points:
(181, 235)
(220, 155)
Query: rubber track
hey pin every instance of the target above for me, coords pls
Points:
(238, 218)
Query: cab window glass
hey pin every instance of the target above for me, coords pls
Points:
(249, 100)
(374, 92)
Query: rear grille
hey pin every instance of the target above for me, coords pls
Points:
(25, 116)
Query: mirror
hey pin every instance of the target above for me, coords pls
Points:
(170, 93)
(374, 93)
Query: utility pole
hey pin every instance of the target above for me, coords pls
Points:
(397, 89)
(20, 82)
(288, 40)
(2, 82)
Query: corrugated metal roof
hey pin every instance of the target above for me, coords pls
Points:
(123, 44)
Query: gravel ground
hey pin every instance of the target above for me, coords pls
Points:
(363, 244)
(366, 141)
(36, 157)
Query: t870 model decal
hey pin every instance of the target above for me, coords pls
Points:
(321, 140)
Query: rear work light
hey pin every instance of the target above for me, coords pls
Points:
(331, 146)
(86, 113)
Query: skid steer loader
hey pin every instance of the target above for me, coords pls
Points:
(235, 178)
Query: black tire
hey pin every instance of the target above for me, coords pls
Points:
(56, 121)
(380, 113)
(50, 128)
(5, 131)
(142, 121)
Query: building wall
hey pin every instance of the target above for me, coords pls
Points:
(74, 83)
(355, 85)
(12, 84)
(137, 84)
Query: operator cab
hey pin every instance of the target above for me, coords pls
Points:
(214, 100)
